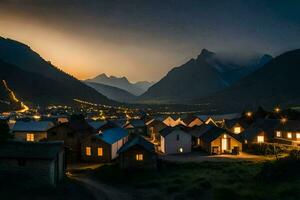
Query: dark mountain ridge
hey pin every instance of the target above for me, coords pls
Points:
(276, 83)
(45, 82)
(197, 78)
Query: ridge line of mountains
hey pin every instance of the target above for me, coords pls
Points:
(207, 79)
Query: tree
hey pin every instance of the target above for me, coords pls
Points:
(4, 131)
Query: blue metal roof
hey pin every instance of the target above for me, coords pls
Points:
(111, 136)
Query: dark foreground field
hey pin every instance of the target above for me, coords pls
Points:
(210, 180)
(12, 188)
(269, 180)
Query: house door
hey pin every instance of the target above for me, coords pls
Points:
(224, 144)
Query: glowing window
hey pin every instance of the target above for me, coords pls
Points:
(260, 139)
(180, 150)
(237, 130)
(100, 151)
(30, 137)
(88, 151)
(139, 157)
(289, 135)
(298, 135)
(278, 134)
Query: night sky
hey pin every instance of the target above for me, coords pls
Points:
(144, 39)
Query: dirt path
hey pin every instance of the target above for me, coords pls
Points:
(99, 190)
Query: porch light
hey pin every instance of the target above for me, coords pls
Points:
(180, 150)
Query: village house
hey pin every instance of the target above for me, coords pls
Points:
(253, 135)
(154, 127)
(137, 153)
(31, 131)
(72, 133)
(235, 126)
(288, 132)
(103, 147)
(196, 132)
(39, 162)
(191, 121)
(136, 127)
(220, 141)
(269, 126)
(175, 140)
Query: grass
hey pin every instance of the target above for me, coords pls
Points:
(210, 180)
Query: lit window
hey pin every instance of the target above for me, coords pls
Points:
(30, 137)
(278, 134)
(139, 157)
(260, 139)
(246, 141)
(298, 135)
(237, 130)
(289, 135)
(100, 151)
(180, 150)
(88, 151)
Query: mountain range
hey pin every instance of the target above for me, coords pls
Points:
(275, 83)
(113, 93)
(37, 81)
(136, 89)
(198, 78)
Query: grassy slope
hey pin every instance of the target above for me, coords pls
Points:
(200, 181)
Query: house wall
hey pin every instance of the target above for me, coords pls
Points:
(116, 146)
(72, 140)
(236, 125)
(172, 145)
(38, 136)
(218, 143)
(127, 160)
(162, 144)
(39, 171)
(95, 143)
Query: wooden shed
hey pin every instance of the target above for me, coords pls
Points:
(138, 153)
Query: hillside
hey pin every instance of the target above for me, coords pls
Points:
(113, 93)
(276, 83)
(8, 101)
(45, 83)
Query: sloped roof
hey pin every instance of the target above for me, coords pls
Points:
(156, 123)
(136, 123)
(189, 119)
(214, 132)
(33, 126)
(111, 136)
(97, 124)
(289, 125)
(140, 141)
(198, 131)
(166, 131)
(34, 150)
(268, 125)
(250, 133)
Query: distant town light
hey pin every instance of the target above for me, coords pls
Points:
(249, 114)
(277, 109)
(283, 120)
(180, 150)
